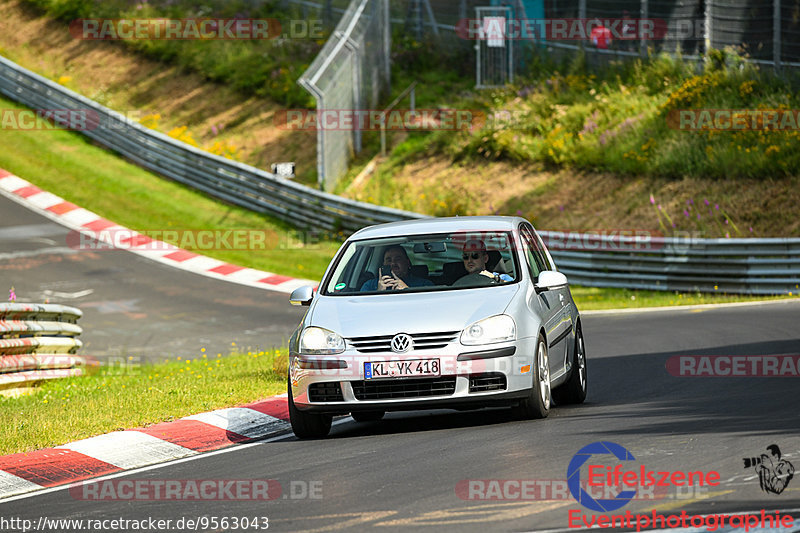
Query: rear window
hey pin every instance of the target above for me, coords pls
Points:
(420, 263)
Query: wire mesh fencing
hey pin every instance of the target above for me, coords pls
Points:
(350, 73)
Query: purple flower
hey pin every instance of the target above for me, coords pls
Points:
(706, 202)
(716, 206)
(686, 213)
(214, 130)
(726, 221)
(659, 207)
(698, 216)
(519, 213)
(652, 200)
(674, 225)
(727, 235)
(561, 208)
(751, 229)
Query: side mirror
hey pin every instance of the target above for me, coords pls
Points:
(302, 295)
(550, 279)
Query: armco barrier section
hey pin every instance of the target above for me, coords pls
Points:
(37, 343)
(751, 266)
(237, 183)
(747, 266)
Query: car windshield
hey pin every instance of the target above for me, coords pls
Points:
(421, 263)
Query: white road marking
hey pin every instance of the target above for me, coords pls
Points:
(241, 420)
(129, 449)
(11, 484)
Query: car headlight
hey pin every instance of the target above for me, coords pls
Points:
(496, 328)
(320, 341)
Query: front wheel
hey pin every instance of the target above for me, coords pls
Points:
(574, 390)
(537, 403)
(307, 425)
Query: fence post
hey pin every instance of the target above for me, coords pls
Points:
(387, 46)
(707, 37)
(644, 14)
(776, 34)
(582, 15)
(328, 14)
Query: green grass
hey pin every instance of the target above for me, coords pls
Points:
(69, 165)
(261, 67)
(128, 396)
(593, 298)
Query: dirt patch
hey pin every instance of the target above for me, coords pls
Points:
(126, 82)
(584, 201)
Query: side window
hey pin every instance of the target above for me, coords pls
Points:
(547, 262)
(534, 259)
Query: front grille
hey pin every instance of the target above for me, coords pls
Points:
(487, 382)
(422, 341)
(325, 392)
(403, 388)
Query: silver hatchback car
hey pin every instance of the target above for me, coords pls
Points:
(463, 312)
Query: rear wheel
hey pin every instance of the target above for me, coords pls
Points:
(308, 425)
(574, 390)
(537, 403)
(367, 416)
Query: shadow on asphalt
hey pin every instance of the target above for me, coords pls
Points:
(638, 390)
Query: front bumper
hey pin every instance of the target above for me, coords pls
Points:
(472, 377)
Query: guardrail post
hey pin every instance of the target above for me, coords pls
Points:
(776, 35)
(643, 15)
(707, 35)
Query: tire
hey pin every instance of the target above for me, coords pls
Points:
(308, 425)
(537, 403)
(574, 390)
(367, 416)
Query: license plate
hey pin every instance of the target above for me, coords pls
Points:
(402, 369)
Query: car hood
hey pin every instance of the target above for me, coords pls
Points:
(388, 314)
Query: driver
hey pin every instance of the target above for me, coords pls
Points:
(395, 257)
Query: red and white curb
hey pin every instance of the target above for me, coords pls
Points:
(95, 226)
(125, 450)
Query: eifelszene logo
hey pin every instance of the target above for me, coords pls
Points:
(774, 473)
(630, 481)
(574, 476)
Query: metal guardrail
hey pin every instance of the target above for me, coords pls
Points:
(754, 266)
(234, 182)
(37, 343)
(748, 266)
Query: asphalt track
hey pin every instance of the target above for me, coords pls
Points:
(402, 473)
(133, 307)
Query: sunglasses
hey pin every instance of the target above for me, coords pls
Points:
(474, 255)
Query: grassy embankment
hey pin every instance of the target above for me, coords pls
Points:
(575, 148)
(114, 398)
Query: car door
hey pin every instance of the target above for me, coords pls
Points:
(546, 303)
(565, 298)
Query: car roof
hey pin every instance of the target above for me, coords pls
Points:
(438, 225)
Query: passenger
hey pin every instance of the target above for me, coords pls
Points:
(475, 258)
(401, 278)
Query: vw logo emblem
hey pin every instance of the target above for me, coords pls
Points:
(401, 343)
